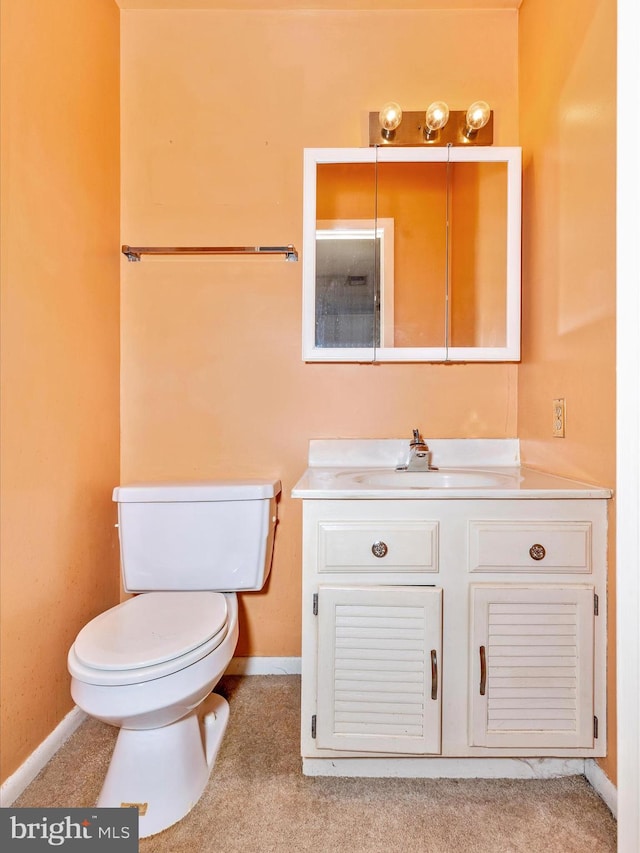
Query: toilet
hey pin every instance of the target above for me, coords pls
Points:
(149, 664)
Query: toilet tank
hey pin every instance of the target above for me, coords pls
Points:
(210, 535)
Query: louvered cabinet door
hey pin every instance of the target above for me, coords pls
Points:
(532, 666)
(379, 660)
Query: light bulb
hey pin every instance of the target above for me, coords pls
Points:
(477, 116)
(436, 117)
(390, 118)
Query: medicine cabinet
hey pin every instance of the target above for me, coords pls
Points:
(411, 254)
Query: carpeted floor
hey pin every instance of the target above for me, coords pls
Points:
(258, 801)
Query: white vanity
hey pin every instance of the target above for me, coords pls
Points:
(454, 620)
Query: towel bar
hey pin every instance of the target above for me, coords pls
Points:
(133, 253)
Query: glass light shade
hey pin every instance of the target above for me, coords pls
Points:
(478, 115)
(390, 116)
(437, 115)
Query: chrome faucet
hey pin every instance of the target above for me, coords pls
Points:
(419, 455)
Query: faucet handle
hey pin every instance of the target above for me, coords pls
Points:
(416, 437)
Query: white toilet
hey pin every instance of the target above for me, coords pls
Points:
(149, 664)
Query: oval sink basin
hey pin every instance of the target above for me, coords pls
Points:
(444, 478)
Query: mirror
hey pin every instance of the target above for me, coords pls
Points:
(412, 254)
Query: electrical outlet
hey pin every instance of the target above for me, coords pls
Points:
(559, 416)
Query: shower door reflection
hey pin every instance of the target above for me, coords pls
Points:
(354, 283)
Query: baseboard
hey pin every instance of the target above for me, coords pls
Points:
(264, 666)
(27, 772)
(601, 783)
(445, 768)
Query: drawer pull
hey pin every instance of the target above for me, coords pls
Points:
(379, 549)
(434, 674)
(537, 552)
(483, 670)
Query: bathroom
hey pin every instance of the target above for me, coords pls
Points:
(190, 368)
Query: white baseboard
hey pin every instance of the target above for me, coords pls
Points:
(27, 772)
(445, 768)
(264, 666)
(602, 784)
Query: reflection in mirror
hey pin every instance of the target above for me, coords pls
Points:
(415, 196)
(354, 283)
(478, 255)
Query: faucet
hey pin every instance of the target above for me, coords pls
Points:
(419, 455)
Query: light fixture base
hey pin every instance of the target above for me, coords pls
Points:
(412, 131)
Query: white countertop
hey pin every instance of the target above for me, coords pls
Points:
(356, 469)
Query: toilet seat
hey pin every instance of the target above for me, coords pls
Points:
(149, 636)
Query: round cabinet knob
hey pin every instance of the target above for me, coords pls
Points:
(537, 552)
(379, 549)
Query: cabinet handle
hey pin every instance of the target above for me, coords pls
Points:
(483, 670)
(434, 674)
(537, 552)
(379, 549)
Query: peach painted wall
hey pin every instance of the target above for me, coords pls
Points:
(567, 132)
(60, 408)
(217, 107)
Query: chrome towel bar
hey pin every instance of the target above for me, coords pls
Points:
(133, 253)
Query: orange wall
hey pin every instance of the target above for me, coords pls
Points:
(217, 108)
(567, 132)
(59, 209)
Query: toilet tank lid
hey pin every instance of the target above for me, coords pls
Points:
(203, 490)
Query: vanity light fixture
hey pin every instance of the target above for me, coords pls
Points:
(437, 126)
(476, 118)
(436, 117)
(390, 117)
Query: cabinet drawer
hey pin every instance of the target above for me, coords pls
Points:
(539, 546)
(407, 546)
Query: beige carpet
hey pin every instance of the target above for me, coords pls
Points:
(257, 799)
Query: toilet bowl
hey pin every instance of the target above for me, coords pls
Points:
(149, 665)
(169, 737)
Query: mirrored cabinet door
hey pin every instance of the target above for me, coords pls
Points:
(414, 197)
(411, 254)
(349, 248)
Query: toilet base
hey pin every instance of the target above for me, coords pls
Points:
(164, 771)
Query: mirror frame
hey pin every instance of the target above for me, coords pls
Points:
(511, 156)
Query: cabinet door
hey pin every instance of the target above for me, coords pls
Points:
(532, 666)
(379, 659)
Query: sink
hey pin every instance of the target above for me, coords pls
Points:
(453, 478)
(365, 469)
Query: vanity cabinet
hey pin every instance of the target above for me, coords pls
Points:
(453, 628)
